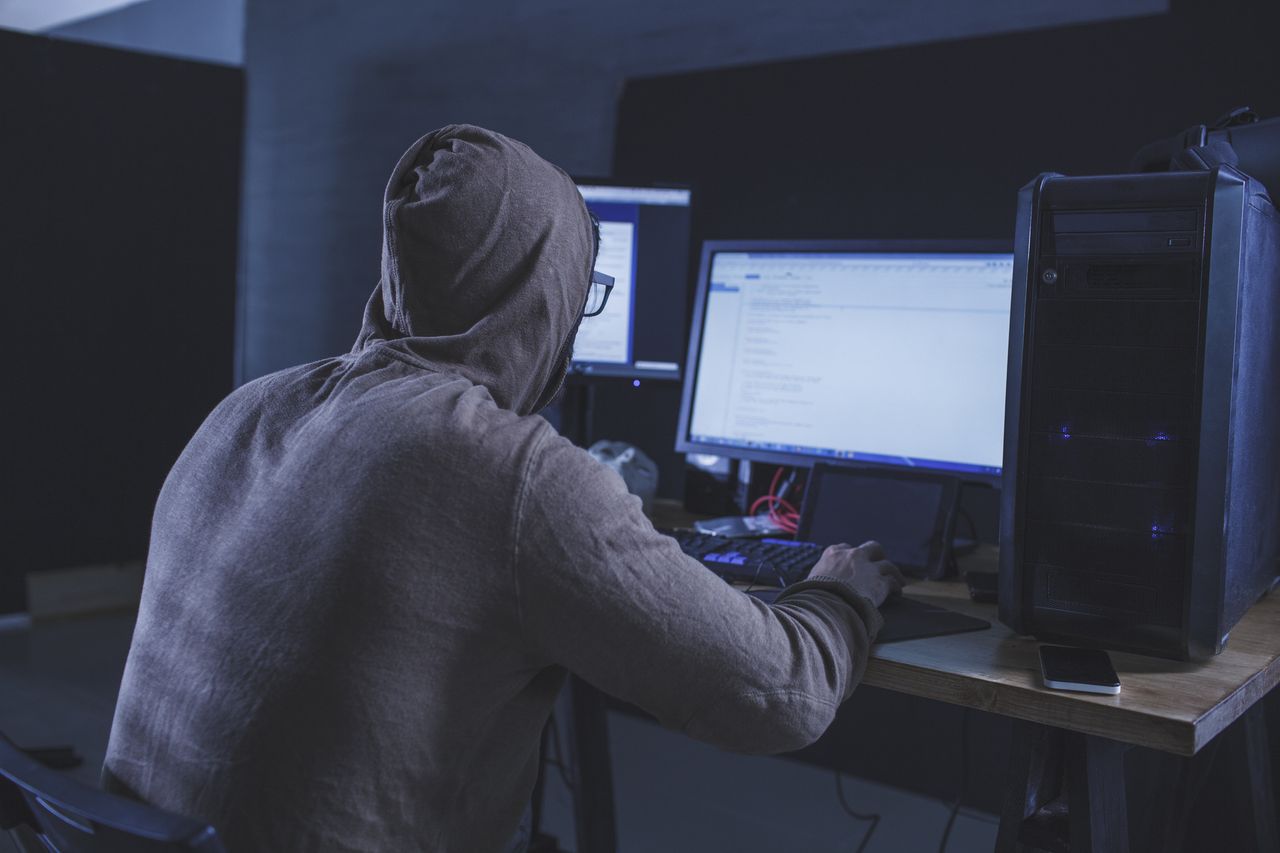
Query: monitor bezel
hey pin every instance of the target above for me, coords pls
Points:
(711, 248)
(585, 371)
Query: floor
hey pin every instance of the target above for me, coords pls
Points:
(673, 794)
(60, 682)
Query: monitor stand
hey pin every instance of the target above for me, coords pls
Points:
(911, 513)
(577, 408)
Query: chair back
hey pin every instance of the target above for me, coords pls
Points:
(68, 816)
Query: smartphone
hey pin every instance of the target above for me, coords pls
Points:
(1083, 670)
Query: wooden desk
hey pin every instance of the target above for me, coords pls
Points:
(1166, 705)
(1066, 781)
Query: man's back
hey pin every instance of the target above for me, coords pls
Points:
(346, 659)
(369, 574)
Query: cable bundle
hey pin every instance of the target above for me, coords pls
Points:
(781, 512)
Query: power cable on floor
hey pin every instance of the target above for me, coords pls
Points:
(873, 819)
(964, 779)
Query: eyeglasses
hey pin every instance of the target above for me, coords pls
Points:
(601, 287)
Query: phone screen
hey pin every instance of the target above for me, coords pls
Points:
(1087, 670)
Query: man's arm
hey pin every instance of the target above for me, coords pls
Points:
(604, 595)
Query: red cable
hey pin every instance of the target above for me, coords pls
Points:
(762, 499)
(789, 518)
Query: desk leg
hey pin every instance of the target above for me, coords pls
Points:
(1034, 781)
(1096, 803)
(1251, 781)
(592, 772)
(1179, 781)
(1065, 792)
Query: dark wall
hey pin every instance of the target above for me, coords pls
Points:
(935, 140)
(120, 176)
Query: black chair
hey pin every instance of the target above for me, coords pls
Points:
(48, 812)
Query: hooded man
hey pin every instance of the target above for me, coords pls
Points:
(369, 575)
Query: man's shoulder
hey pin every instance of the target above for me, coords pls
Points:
(410, 413)
(457, 417)
(563, 471)
(262, 391)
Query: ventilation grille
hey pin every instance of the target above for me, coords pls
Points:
(1111, 438)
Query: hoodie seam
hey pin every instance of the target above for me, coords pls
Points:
(379, 349)
(517, 521)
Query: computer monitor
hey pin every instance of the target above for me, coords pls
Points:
(644, 245)
(885, 353)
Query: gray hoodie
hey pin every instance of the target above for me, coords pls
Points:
(368, 575)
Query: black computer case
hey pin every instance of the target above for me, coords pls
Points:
(1141, 495)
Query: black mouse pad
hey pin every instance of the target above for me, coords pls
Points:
(912, 619)
(909, 619)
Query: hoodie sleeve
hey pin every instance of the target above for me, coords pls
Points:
(620, 605)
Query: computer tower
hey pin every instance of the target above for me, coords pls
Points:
(1141, 483)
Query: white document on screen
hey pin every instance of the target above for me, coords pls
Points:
(896, 356)
(607, 338)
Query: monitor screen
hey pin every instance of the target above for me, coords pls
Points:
(882, 353)
(644, 245)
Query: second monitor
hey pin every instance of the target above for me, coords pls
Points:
(883, 353)
(644, 245)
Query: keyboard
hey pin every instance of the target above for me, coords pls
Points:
(762, 562)
(767, 563)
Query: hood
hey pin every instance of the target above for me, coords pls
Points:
(487, 252)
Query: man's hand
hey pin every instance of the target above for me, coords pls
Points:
(864, 567)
